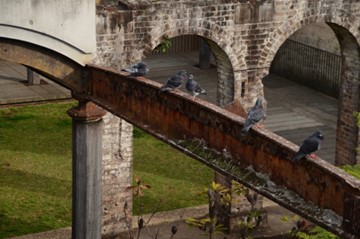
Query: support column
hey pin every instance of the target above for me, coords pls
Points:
(204, 55)
(87, 172)
(33, 78)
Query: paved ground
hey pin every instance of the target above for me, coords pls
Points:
(294, 112)
(14, 88)
(163, 221)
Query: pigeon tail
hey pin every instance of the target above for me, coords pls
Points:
(193, 86)
(245, 130)
(166, 88)
(138, 69)
(298, 156)
(202, 91)
(247, 125)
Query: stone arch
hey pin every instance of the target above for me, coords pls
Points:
(228, 63)
(347, 135)
(51, 64)
(283, 32)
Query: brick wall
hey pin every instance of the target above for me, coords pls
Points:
(117, 174)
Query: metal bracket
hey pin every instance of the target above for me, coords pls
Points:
(351, 219)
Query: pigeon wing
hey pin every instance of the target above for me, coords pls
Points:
(138, 69)
(172, 83)
(255, 115)
(310, 145)
(199, 90)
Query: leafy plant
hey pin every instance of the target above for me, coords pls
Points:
(138, 188)
(305, 230)
(316, 233)
(220, 195)
(137, 193)
(354, 170)
(164, 46)
(216, 194)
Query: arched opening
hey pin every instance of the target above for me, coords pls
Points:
(304, 88)
(213, 71)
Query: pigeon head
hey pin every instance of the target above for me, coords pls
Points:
(190, 77)
(142, 64)
(318, 134)
(182, 73)
(259, 101)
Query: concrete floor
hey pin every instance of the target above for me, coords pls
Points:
(15, 90)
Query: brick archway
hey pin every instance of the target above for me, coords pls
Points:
(349, 101)
(228, 63)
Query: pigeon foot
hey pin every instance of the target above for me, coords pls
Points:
(313, 156)
(260, 126)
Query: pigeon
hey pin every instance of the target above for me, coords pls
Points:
(138, 69)
(309, 146)
(254, 116)
(175, 81)
(193, 86)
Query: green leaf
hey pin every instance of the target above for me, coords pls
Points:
(354, 170)
(284, 219)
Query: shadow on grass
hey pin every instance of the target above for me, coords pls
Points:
(35, 183)
(9, 227)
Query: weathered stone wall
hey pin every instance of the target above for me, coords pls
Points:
(117, 174)
(244, 36)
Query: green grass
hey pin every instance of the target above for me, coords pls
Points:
(35, 171)
(176, 177)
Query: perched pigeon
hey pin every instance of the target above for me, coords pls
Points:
(309, 146)
(138, 69)
(193, 87)
(254, 116)
(175, 81)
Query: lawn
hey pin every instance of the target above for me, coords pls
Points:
(35, 171)
(175, 179)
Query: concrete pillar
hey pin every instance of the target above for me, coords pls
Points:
(33, 78)
(204, 55)
(87, 130)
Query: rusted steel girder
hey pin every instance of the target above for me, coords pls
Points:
(314, 188)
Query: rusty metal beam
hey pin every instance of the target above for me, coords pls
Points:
(53, 65)
(313, 189)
